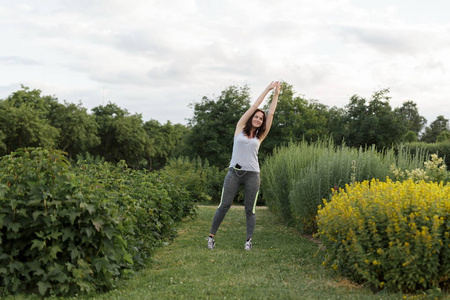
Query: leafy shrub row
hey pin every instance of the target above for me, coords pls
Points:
(296, 178)
(393, 235)
(67, 229)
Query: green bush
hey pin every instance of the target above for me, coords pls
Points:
(296, 178)
(393, 235)
(280, 171)
(149, 203)
(67, 229)
(56, 235)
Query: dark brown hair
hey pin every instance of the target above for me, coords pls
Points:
(260, 130)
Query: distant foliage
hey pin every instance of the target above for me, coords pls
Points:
(436, 128)
(410, 137)
(68, 229)
(389, 234)
(441, 149)
(203, 181)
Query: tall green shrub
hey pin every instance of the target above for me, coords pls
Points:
(296, 178)
(279, 172)
(441, 149)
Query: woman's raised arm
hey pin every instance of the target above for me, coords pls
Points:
(272, 108)
(243, 120)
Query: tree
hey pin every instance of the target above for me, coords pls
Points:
(162, 141)
(2, 144)
(42, 105)
(338, 124)
(212, 126)
(444, 136)
(373, 123)
(31, 120)
(122, 135)
(410, 137)
(77, 129)
(436, 127)
(24, 120)
(409, 113)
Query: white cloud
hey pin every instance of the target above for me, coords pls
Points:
(155, 57)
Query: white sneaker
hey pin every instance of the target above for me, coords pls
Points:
(211, 242)
(248, 245)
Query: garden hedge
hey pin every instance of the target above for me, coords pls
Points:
(70, 229)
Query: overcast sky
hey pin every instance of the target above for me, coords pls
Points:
(156, 57)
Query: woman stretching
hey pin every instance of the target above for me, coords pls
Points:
(251, 130)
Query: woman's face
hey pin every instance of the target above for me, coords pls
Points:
(258, 119)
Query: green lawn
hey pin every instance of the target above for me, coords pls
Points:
(282, 265)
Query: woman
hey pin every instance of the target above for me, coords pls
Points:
(251, 130)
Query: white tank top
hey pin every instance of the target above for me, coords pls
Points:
(245, 153)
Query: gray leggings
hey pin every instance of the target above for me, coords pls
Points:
(233, 180)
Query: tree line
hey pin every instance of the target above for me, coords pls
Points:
(30, 119)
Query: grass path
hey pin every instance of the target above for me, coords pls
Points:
(282, 265)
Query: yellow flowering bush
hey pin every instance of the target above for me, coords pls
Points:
(393, 235)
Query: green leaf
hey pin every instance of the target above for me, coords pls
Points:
(77, 273)
(75, 253)
(15, 265)
(68, 234)
(98, 224)
(33, 265)
(39, 244)
(43, 287)
(15, 283)
(91, 208)
(36, 214)
(73, 215)
(22, 212)
(55, 235)
(101, 265)
(88, 231)
(14, 227)
(54, 251)
(128, 258)
(109, 232)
